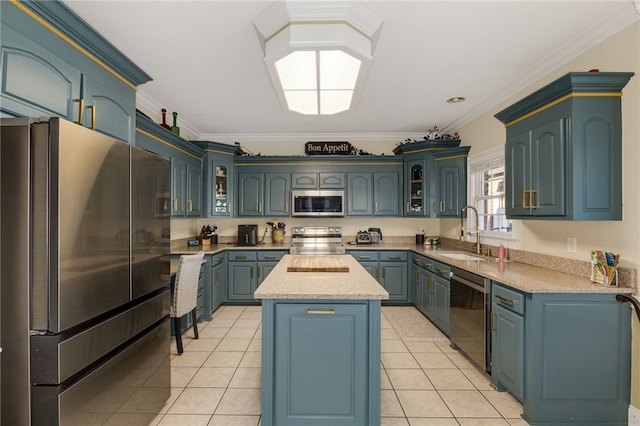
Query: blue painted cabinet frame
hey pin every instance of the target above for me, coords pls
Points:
(320, 362)
(563, 157)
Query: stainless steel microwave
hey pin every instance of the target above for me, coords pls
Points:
(314, 203)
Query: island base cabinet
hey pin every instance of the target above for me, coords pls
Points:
(320, 362)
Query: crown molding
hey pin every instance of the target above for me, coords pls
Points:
(153, 109)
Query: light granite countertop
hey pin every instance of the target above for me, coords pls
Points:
(352, 285)
(521, 276)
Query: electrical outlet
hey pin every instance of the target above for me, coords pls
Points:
(572, 244)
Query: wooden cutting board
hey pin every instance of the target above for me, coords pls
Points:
(317, 264)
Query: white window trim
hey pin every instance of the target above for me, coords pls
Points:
(488, 237)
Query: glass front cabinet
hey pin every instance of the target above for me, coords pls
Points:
(218, 179)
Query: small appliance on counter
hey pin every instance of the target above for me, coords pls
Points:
(247, 235)
(363, 237)
(376, 235)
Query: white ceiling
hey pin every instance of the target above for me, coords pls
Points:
(206, 62)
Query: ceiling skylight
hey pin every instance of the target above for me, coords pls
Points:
(318, 59)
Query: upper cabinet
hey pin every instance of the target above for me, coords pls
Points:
(323, 180)
(563, 153)
(40, 42)
(451, 171)
(218, 179)
(186, 194)
(435, 177)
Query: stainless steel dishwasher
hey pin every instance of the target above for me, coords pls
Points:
(470, 300)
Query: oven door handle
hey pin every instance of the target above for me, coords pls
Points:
(468, 283)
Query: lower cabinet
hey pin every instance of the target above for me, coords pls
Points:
(389, 268)
(576, 355)
(214, 292)
(431, 290)
(321, 362)
(247, 269)
(507, 336)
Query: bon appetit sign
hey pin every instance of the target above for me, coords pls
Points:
(328, 148)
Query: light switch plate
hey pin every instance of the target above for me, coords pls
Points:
(572, 244)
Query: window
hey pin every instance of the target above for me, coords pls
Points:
(486, 193)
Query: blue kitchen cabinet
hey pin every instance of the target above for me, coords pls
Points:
(386, 194)
(263, 194)
(359, 194)
(218, 281)
(451, 170)
(563, 152)
(40, 41)
(576, 355)
(373, 194)
(432, 296)
(184, 195)
(247, 269)
(507, 339)
(277, 193)
(390, 269)
(218, 179)
(321, 180)
(250, 194)
(186, 186)
(194, 188)
(321, 362)
(417, 186)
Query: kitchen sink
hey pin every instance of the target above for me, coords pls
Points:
(463, 256)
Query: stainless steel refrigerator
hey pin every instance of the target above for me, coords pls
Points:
(84, 268)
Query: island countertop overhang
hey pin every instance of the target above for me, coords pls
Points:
(357, 284)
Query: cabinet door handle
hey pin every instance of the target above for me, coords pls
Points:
(321, 311)
(349, 209)
(190, 205)
(240, 257)
(229, 206)
(426, 264)
(269, 257)
(286, 207)
(218, 259)
(364, 257)
(531, 205)
(252, 272)
(505, 300)
(441, 206)
(441, 271)
(394, 257)
(93, 116)
(259, 271)
(259, 207)
(408, 207)
(524, 199)
(382, 267)
(175, 204)
(80, 111)
(430, 284)
(376, 207)
(492, 326)
(415, 276)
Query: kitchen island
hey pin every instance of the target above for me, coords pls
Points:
(320, 343)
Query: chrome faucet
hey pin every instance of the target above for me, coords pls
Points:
(477, 231)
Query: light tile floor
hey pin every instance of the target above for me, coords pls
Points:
(423, 381)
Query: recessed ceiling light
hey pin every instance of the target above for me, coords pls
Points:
(456, 99)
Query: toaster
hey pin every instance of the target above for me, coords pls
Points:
(363, 237)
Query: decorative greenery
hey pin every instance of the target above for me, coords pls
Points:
(435, 134)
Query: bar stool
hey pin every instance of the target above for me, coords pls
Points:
(185, 294)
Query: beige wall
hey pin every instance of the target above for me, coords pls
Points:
(620, 52)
